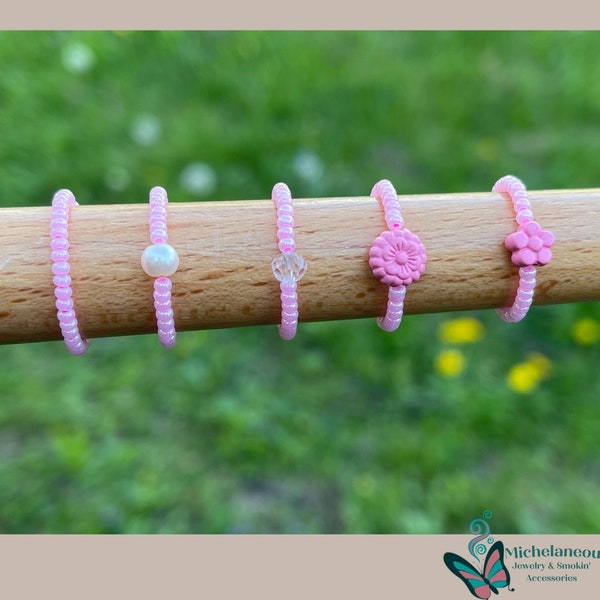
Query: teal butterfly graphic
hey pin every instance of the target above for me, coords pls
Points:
(495, 575)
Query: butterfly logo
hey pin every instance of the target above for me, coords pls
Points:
(494, 576)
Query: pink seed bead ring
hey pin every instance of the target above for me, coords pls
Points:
(530, 246)
(160, 261)
(59, 243)
(288, 267)
(397, 256)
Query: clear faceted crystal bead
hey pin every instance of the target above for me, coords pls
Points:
(288, 266)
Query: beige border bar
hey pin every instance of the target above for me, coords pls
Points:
(290, 567)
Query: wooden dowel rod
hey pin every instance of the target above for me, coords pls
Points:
(225, 248)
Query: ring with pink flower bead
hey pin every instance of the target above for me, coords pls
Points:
(62, 202)
(529, 246)
(160, 260)
(397, 256)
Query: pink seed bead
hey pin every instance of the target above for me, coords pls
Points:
(62, 202)
(391, 205)
(167, 339)
(59, 222)
(66, 304)
(285, 233)
(287, 245)
(286, 220)
(62, 293)
(60, 232)
(60, 215)
(79, 347)
(159, 234)
(61, 268)
(163, 284)
(67, 316)
(71, 333)
(160, 297)
(59, 244)
(524, 216)
(395, 309)
(59, 255)
(61, 280)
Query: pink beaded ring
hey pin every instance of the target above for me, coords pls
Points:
(160, 260)
(530, 246)
(59, 243)
(288, 267)
(397, 256)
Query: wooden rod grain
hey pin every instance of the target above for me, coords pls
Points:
(225, 249)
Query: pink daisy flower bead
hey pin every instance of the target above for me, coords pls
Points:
(397, 257)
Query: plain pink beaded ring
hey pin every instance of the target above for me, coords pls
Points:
(530, 246)
(397, 256)
(160, 260)
(288, 266)
(62, 201)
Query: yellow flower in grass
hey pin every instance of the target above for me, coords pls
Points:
(586, 331)
(542, 364)
(525, 377)
(464, 330)
(450, 363)
(487, 149)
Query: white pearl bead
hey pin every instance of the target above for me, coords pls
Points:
(160, 260)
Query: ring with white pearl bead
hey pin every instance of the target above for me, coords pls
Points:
(160, 260)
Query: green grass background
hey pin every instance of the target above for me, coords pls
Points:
(346, 429)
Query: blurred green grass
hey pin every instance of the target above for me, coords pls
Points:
(345, 429)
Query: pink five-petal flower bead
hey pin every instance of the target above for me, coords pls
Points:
(530, 245)
(397, 257)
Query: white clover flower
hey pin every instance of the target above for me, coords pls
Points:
(198, 179)
(308, 166)
(117, 179)
(77, 58)
(145, 130)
